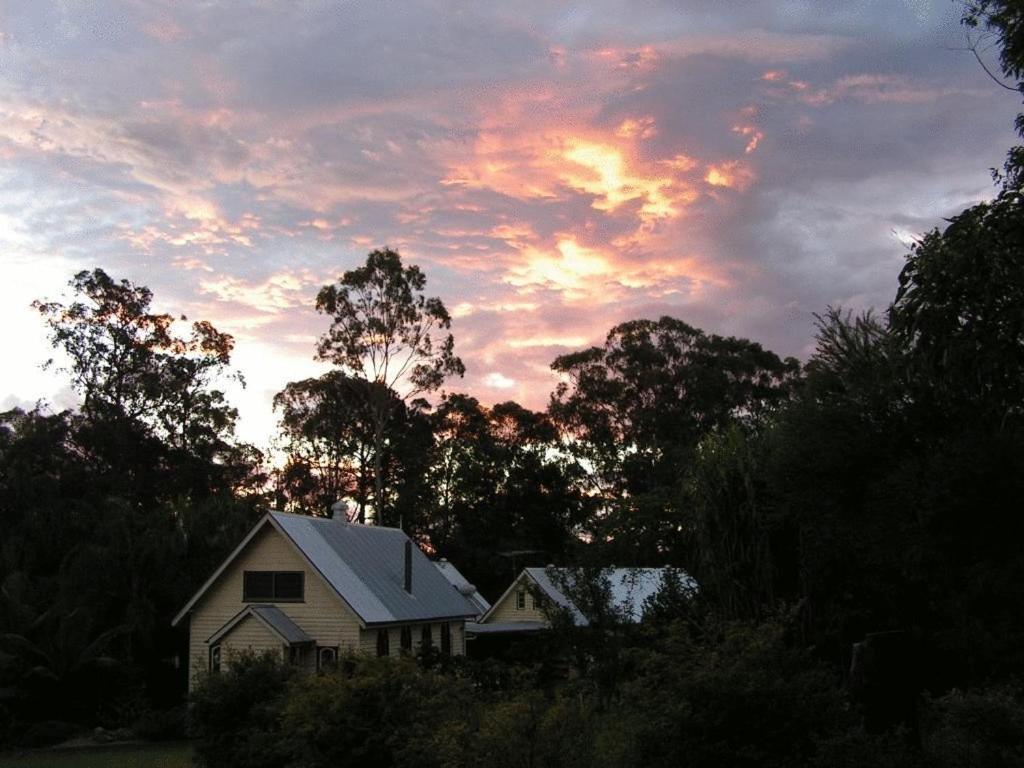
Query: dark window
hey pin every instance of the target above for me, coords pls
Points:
(277, 586)
(383, 643)
(539, 602)
(446, 639)
(407, 639)
(425, 639)
(215, 659)
(288, 585)
(326, 657)
(520, 600)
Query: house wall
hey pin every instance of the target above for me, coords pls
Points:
(505, 609)
(368, 638)
(323, 615)
(249, 634)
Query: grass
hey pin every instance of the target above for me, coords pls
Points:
(129, 756)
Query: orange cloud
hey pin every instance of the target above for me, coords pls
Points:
(732, 174)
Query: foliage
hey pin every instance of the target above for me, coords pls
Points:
(378, 712)
(959, 314)
(384, 330)
(235, 715)
(497, 486)
(634, 410)
(1003, 19)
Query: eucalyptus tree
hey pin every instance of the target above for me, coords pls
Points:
(634, 409)
(385, 331)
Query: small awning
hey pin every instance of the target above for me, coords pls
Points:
(270, 616)
(505, 627)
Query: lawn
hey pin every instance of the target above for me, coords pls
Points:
(128, 756)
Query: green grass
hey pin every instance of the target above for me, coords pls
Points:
(133, 756)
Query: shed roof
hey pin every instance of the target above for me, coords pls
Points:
(630, 588)
(365, 566)
(462, 586)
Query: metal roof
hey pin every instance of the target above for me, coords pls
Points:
(462, 586)
(272, 617)
(630, 587)
(365, 564)
(505, 627)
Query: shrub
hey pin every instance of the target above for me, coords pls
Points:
(380, 712)
(978, 728)
(235, 715)
(166, 725)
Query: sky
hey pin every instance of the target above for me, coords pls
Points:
(554, 168)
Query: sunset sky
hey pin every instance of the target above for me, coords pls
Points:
(554, 168)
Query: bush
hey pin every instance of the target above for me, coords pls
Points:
(739, 694)
(980, 728)
(382, 712)
(166, 725)
(47, 733)
(235, 715)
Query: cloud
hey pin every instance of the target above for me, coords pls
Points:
(555, 169)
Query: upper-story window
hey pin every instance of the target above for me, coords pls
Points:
(539, 601)
(274, 586)
(521, 600)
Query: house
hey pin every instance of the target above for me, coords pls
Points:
(313, 588)
(460, 583)
(525, 606)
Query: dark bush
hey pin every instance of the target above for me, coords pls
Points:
(161, 725)
(47, 733)
(235, 715)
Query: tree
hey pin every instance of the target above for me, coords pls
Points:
(1005, 20)
(131, 368)
(385, 331)
(498, 484)
(328, 429)
(634, 410)
(959, 313)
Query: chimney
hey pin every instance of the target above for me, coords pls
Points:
(339, 511)
(408, 566)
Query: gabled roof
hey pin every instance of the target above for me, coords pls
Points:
(462, 586)
(365, 566)
(272, 618)
(630, 588)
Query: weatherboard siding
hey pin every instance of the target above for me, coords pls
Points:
(368, 638)
(506, 611)
(250, 634)
(323, 615)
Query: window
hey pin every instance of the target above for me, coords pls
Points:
(383, 643)
(277, 586)
(407, 639)
(326, 657)
(215, 658)
(446, 639)
(425, 639)
(520, 600)
(539, 602)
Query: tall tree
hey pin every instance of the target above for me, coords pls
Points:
(132, 369)
(959, 313)
(386, 331)
(328, 432)
(1005, 20)
(634, 409)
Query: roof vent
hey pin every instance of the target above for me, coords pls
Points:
(466, 589)
(339, 510)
